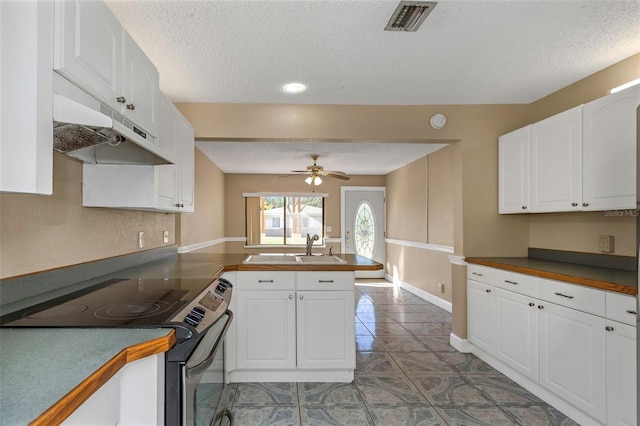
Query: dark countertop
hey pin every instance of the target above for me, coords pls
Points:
(200, 265)
(617, 280)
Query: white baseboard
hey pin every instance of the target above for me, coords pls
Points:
(461, 345)
(321, 376)
(439, 302)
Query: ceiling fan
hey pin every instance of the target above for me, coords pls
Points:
(316, 173)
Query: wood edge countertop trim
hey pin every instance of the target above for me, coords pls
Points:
(588, 282)
(298, 267)
(62, 409)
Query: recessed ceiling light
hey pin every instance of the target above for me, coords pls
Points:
(294, 88)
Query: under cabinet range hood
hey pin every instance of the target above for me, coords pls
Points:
(89, 130)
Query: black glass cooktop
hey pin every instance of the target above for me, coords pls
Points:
(113, 303)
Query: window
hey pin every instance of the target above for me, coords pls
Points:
(283, 219)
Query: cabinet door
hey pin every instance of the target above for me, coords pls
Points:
(266, 330)
(609, 151)
(186, 158)
(26, 133)
(168, 135)
(513, 170)
(556, 162)
(479, 315)
(141, 88)
(517, 332)
(326, 336)
(621, 374)
(572, 357)
(88, 48)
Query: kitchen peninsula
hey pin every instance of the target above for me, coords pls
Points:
(71, 392)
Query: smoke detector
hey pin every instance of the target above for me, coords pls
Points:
(409, 15)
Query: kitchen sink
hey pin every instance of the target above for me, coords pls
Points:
(322, 260)
(279, 259)
(274, 259)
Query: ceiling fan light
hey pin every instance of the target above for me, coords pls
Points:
(316, 180)
(309, 180)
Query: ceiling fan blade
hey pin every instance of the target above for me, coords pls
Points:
(300, 171)
(337, 175)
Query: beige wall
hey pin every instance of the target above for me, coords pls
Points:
(40, 232)
(237, 184)
(207, 222)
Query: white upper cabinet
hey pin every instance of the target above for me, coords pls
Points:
(26, 109)
(514, 171)
(609, 151)
(556, 162)
(88, 48)
(93, 50)
(581, 159)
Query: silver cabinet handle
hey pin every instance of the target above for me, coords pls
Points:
(121, 99)
(301, 297)
(524, 207)
(325, 281)
(532, 304)
(563, 295)
(290, 296)
(511, 282)
(608, 328)
(488, 290)
(540, 307)
(629, 311)
(585, 204)
(476, 273)
(574, 204)
(265, 281)
(131, 107)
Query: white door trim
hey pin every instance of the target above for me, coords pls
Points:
(343, 219)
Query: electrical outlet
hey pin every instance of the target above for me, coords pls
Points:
(441, 287)
(605, 243)
(140, 239)
(165, 236)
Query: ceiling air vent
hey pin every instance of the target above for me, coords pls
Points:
(409, 15)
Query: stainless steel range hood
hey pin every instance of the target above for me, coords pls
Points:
(91, 131)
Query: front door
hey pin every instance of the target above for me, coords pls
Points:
(363, 220)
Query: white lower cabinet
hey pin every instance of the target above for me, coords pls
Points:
(572, 357)
(133, 396)
(266, 329)
(516, 333)
(568, 341)
(621, 374)
(293, 326)
(479, 302)
(323, 340)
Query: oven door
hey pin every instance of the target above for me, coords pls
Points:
(204, 394)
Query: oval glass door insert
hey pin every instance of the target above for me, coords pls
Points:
(365, 230)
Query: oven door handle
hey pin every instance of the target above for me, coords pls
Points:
(201, 367)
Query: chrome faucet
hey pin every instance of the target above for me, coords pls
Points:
(310, 241)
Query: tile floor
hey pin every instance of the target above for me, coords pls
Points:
(406, 374)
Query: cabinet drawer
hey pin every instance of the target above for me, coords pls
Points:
(266, 280)
(481, 274)
(330, 280)
(518, 283)
(620, 307)
(572, 296)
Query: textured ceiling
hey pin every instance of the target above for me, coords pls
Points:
(282, 157)
(466, 52)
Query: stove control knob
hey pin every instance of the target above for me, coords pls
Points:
(198, 311)
(221, 287)
(226, 283)
(192, 320)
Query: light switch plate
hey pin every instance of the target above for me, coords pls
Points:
(165, 236)
(605, 243)
(140, 239)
